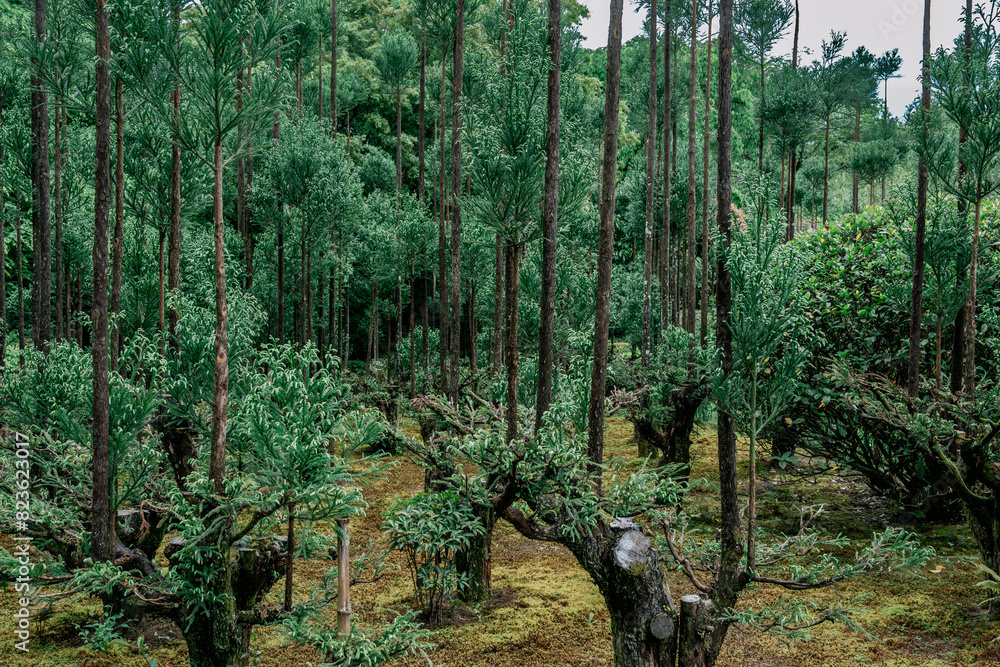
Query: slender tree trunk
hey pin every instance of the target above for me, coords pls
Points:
(162, 274)
(399, 142)
(281, 287)
(647, 246)
(550, 215)
(605, 246)
(760, 138)
(855, 177)
(58, 246)
(217, 468)
(956, 367)
(41, 276)
(79, 306)
(456, 193)
(705, 235)
(333, 67)
(513, 252)
(920, 227)
(413, 347)
(496, 343)
(826, 167)
(174, 235)
(422, 123)
(101, 525)
(790, 197)
(118, 242)
(3, 252)
(690, 274)
(19, 247)
(665, 269)
(970, 316)
(730, 579)
(443, 252)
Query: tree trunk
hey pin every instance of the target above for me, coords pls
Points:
(920, 230)
(422, 126)
(333, 67)
(102, 526)
(550, 215)
(399, 142)
(986, 529)
(760, 138)
(456, 193)
(512, 263)
(855, 177)
(41, 277)
(58, 252)
(217, 468)
(161, 301)
(281, 287)
(605, 246)
(476, 561)
(826, 167)
(690, 274)
(956, 367)
(970, 315)
(665, 232)
(174, 235)
(118, 242)
(443, 265)
(730, 579)
(647, 245)
(496, 342)
(705, 235)
(3, 253)
(627, 571)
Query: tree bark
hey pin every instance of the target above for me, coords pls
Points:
(602, 309)
(422, 123)
(970, 315)
(920, 230)
(41, 277)
(456, 194)
(705, 235)
(3, 252)
(217, 468)
(665, 276)
(57, 193)
(730, 579)
(333, 67)
(496, 342)
(101, 523)
(647, 245)
(512, 264)
(956, 367)
(550, 216)
(691, 251)
(118, 242)
(174, 235)
(443, 272)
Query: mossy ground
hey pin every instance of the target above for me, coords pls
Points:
(546, 612)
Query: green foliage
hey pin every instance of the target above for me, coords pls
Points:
(429, 529)
(103, 632)
(396, 57)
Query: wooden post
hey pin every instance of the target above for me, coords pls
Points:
(344, 576)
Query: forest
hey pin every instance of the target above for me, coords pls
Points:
(419, 332)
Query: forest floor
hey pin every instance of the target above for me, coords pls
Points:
(546, 612)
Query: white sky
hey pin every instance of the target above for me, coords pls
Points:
(879, 25)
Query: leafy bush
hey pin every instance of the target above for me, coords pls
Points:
(430, 528)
